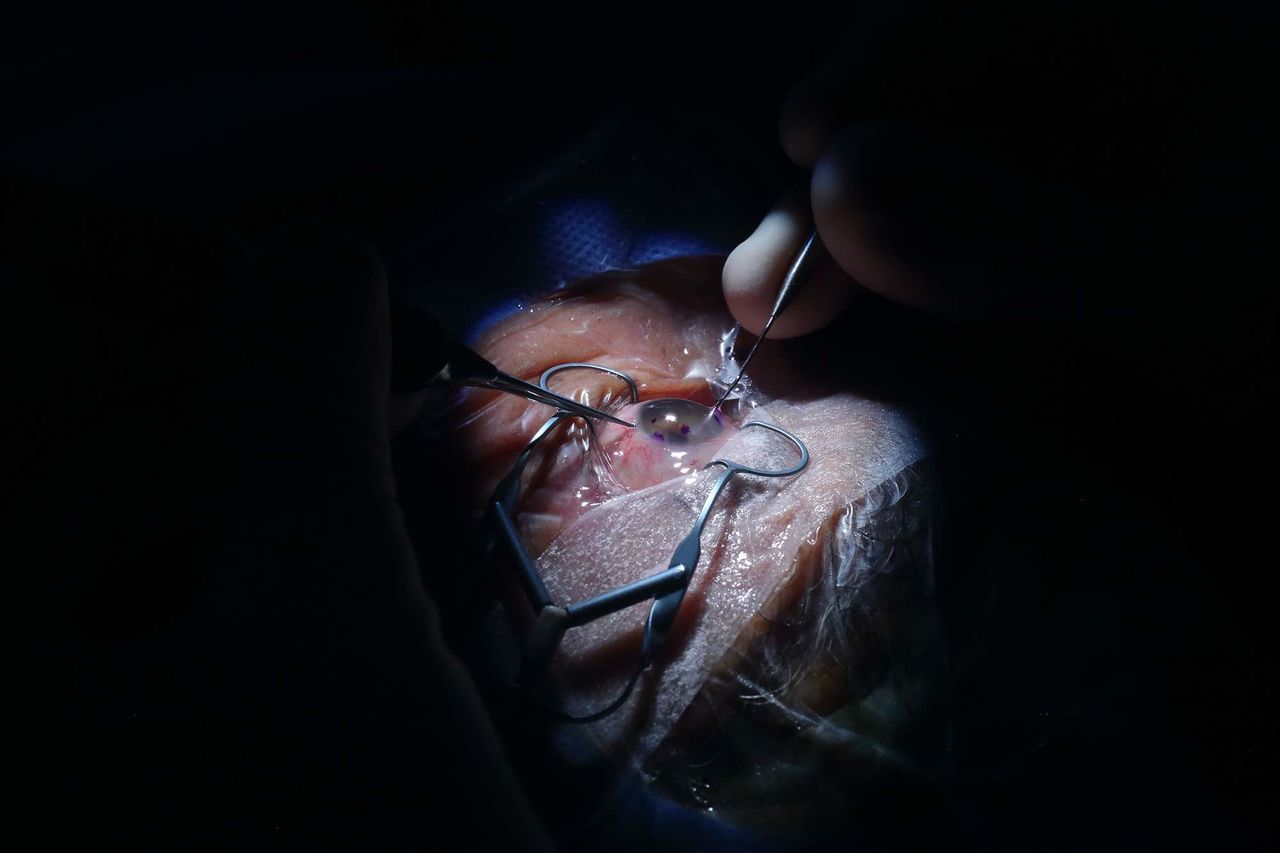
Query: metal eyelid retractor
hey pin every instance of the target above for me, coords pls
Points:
(503, 502)
(575, 365)
(663, 613)
(666, 588)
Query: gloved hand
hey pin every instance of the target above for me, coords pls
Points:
(1076, 161)
(1082, 191)
(233, 640)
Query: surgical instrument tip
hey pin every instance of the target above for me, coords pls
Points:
(512, 385)
(799, 273)
(425, 356)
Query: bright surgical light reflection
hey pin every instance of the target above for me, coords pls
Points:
(674, 421)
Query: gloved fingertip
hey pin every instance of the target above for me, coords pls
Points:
(875, 195)
(807, 121)
(828, 294)
(754, 270)
(948, 222)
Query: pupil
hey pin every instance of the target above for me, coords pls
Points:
(672, 420)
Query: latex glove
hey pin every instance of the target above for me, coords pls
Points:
(231, 637)
(1072, 161)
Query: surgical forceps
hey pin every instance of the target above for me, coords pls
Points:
(667, 588)
(424, 356)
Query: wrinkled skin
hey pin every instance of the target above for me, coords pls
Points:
(812, 597)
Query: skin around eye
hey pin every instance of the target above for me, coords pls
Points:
(603, 508)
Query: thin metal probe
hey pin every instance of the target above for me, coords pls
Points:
(798, 274)
(513, 385)
(424, 355)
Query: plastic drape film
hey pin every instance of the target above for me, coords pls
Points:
(804, 674)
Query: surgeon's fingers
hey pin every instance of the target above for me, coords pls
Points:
(806, 121)
(938, 223)
(307, 503)
(326, 634)
(755, 270)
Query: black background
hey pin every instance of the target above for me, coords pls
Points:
(1106, 560)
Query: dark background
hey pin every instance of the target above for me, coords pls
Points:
(1105, 562)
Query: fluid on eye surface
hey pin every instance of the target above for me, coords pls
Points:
(673, 437)
(676, 421)
(775, 552)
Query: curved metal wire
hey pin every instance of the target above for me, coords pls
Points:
(667, 588)
(786, 472)
(509, 487)
(571, 365)
(662, 615)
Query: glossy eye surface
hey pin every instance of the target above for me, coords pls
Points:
(772, 631)
(672, 421)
